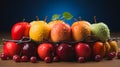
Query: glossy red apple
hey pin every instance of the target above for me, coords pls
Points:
(11, 48)
(83, 50)
(65, 52)
(19, 30)
(45, 50)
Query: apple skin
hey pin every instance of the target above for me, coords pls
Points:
(45, 50)
(29, 49)
(65, 52)
(11, 48)
(83, 50)
(19, 30)
(61, 32)
(98, 48)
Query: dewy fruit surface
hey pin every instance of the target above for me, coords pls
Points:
(39, 31)
(60, 32)
(80, 30)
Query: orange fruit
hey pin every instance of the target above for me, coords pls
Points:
(114, 45)
(80, 30)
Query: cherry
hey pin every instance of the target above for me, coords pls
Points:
(16, 58)
(3, 56)
(55, 59)
(24, 58)
(47, 59)
(33, 59)
(81, 59)
(118, 55)
(111, 55)
(98, 58)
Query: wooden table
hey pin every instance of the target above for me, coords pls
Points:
(104, 63)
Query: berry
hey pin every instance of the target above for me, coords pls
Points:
(33, 59)
(81, 59)
(98, 58)
(3, 56)
(47, 60)
(111, 55)
(24, 58)
(55, 59)
(118, 55)
(16, 58)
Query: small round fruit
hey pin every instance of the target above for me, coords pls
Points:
(33, 59)
(118, 55)
(16, 58)
(81, 59)
(24, 58)
(55, 59)
(3, 56)
(111, 55)
(98, 58)
(47, 60)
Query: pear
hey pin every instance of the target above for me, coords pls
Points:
(39, 31)
(80, 30)
(100, 31)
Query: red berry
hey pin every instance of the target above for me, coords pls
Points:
(47, 59)
(98, 58)
(16, 58)
(55, 59)
(81, 59)
(3, 56)
(33, 59)
(24, 58)
(111, 55)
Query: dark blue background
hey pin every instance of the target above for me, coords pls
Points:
(12, 11)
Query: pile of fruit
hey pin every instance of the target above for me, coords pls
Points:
(57, 41)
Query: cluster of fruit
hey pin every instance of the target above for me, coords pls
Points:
(57, 41)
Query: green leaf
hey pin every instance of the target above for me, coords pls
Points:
(67, 15)
(55, 17)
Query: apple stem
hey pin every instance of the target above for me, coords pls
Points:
(45, 18)
(23, 20)
(75, 19)
(37, 18)
(80, 18)
(95, 19)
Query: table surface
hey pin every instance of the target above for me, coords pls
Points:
(104, 63)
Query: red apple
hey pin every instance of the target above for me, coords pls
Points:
(19, 30)
(98, 48)
(11, 48)
(66, 52)
(45, 50)
(83, 50)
